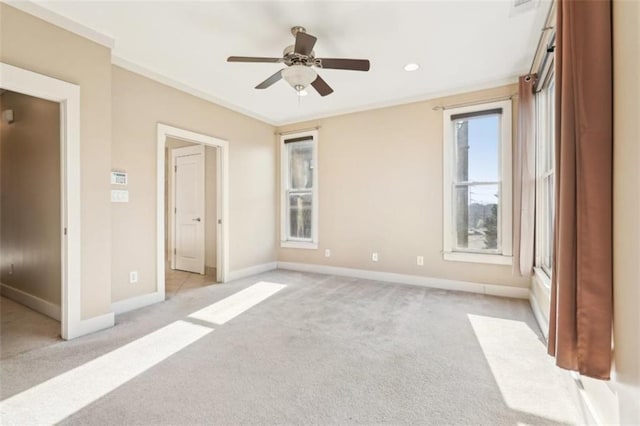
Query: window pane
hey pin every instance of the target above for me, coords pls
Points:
(478, 149)
(300, 215)
(301, 165)
(477, 220)
(551, 117)
(548, 244)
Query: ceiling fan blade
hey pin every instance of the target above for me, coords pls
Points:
(253, 59)
(304, 43)
(268, 82)
(345, 64)
(321, 86)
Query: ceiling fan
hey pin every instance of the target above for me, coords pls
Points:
(300, 60)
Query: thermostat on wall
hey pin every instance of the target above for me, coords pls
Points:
(118, 178)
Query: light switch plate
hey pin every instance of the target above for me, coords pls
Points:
(119, 196)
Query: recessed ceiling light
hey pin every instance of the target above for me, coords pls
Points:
(411, 67)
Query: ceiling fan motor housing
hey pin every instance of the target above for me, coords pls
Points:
(291, 57)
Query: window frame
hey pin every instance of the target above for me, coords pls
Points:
(544, 133)
(286, 241)
(450, 252)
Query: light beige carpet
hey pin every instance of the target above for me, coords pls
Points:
(327, 350)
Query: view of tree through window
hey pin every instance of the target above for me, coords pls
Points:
(300, 193)
(477, 182)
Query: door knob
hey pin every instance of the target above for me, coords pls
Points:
(197, 219)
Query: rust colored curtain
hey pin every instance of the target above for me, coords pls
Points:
(582, 280)
(524, 179)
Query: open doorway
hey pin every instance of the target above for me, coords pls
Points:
(67, 96)
(30, 218)
(192, 206)
(191, 215)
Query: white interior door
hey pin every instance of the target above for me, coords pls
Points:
(189, 209)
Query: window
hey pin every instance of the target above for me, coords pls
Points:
(299, 179)
(477, 183)
(545, 167)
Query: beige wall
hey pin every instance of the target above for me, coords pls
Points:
(210, 170)
(626, 216)
(30, 201)
(210, 206)
(30, 43)
(138, 105)
(380, 189)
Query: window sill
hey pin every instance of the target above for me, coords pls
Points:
(495, 259)
(299, 245)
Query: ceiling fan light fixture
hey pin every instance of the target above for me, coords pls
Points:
(300, 91)
(299, 75)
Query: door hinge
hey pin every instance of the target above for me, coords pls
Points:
(65, 231)
(175, 169)
(174, 251)
(219, 221)
(175, 210)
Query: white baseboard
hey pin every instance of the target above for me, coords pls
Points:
(136, 302)
(441, 283)
(251, 270)
(543, 323)
(91, 325)
(37, 304)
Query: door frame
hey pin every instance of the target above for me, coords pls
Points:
(67, 95)
(222, 195)
(172, 203)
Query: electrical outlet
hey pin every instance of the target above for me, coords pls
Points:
(133, 277)
(374, 257)
(327, 252)
(420, 260)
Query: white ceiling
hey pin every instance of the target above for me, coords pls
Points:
(459, 45)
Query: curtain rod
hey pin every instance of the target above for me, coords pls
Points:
(297, 131)
(483, 101)
(549, 24)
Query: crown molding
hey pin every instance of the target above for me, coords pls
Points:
(61, 21)
(403, 101)
(175, 84)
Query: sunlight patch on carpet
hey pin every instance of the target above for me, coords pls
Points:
(232, 306)
(518, 360)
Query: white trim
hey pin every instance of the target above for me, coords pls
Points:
(540, 284)
(496, 259)
(542, 321)
(40, 10)
(505, 213)
(91, 325)
(34, 302)
(284, 179)
(306, 245)
(136, 302)
(542, 278)
(440, 283)
(68, 96)
(222, 193)
(251, 270)
(175, 84)
(404, 101)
